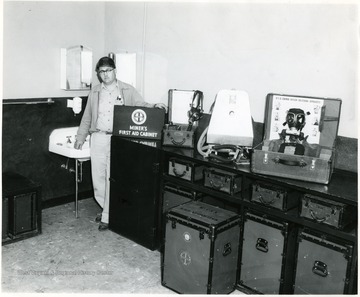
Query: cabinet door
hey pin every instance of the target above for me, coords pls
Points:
(134, 191)
(267, 260)
(262, 256)
(322, 265)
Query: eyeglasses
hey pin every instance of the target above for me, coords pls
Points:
(105, 71)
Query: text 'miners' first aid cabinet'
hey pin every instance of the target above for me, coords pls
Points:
(201, 249)
(299, 138)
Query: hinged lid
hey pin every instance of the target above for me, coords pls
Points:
(183, 105)
(201, 212)
(317, 118)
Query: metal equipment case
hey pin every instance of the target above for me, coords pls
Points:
(185, 109)
(175, 195)
(179, 135)
(323, 264)
(308, 154)
(324, 211)
(274, 196)
(186, 170)
(222, 180)
(267, 255)
(201, 249)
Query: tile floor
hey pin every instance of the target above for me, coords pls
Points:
(72, 256)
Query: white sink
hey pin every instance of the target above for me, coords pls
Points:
(61, 141)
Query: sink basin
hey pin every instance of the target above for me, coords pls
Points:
(61, 141)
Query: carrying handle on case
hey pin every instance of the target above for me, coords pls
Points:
(225, 147)
(300, 163)
(179, 174)
(227, 249)
(320, 268)
(221, 159)
(262, 245)
(315, 215)
(224, 159)
(267, 202)
(215, 185)
(317, 219)
(178, 142)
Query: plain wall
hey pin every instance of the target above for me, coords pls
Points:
(34, 33)
(290, 48)
(261, 48)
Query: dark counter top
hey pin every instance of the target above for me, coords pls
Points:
(343, 186)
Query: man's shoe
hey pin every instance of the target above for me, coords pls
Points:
(103, 226)
(98, 218)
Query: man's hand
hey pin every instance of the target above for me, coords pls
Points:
(78, 145)
(160, 105)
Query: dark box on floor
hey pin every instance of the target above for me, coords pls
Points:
(201, 249)
(299, 138)
(267, 255)
(323, 264)
(23, 214)
(24, 210)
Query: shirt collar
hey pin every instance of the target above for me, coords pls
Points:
(104, 87)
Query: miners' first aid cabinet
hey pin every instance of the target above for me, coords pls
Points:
(299, 138)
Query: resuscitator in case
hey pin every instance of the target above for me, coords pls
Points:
(201, 249)
(185, 110)
(299, 138)
(229, 135)
(231, 122)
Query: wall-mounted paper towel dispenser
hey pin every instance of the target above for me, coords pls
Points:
(76, 68)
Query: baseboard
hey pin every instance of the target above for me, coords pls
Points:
(66, 199)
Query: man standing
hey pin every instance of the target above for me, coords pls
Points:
(97, 121)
